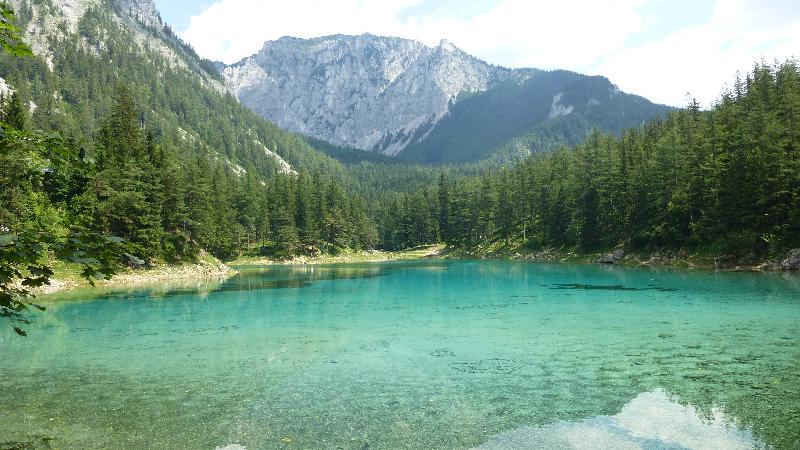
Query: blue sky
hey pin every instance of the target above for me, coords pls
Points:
(662, 49)
(178, 12)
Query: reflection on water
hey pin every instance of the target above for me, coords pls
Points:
(250, 278)
(650, 421)
(416, 355)
(283, 277)
(163, 289)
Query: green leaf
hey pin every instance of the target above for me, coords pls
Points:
(35, 282)
(20, 331)
(40, 271)
(7, 240)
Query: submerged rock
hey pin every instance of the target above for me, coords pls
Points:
(792, 260)
(31, 442)
(613, 257)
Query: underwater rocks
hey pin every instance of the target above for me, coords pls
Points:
(496, 366)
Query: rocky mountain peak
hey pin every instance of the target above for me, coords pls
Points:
(448, 46)
(368, 92)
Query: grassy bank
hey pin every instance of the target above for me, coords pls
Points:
(347, 256)
(664, 257)
(67, 276)
(678, 258)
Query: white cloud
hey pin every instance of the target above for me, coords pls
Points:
(702, 60)
(229, 30)
(580, 35)
(514, 33)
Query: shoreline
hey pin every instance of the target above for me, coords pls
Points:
(215, 269)
(347, 257)
(162, 273)
(667, 258)
(676, 259)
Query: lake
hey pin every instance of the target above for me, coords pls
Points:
(418, 354)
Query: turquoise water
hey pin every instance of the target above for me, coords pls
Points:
(415, 355)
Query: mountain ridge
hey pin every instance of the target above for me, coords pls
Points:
(347, 90)
(390, 94)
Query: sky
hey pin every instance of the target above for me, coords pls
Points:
(666, 50)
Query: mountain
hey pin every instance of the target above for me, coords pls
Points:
(532, 112)
(368, 92)
(426, 104)
(85, 49)
(143, 11)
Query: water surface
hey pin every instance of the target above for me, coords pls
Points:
(426, 354)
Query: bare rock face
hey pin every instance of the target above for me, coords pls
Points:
(143, 11)
(368, 92)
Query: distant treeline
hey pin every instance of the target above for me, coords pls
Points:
(726, 180)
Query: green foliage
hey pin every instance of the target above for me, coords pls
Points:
(10, 40)
(726, 180)
(15, 114)
(32, 229)
(512, 120)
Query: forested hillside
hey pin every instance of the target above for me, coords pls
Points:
(72, 80)
(531, 113)
(726, 181)
(155, 152)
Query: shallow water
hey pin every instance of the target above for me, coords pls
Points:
(433, 354)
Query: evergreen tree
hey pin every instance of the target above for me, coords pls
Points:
(15, 114)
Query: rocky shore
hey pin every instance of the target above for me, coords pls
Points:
(426, 251)
(214, 269)
(158, 274)
(681, 258)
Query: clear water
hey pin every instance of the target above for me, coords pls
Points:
(415, 355)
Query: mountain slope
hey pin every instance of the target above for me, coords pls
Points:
(541, 112)
(432, 105)
(86, 48)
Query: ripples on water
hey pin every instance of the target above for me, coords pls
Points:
(414, 355)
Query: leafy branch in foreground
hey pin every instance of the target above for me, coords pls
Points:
(30, 161)
(28, 237)
(23, 267)
(10, 39)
